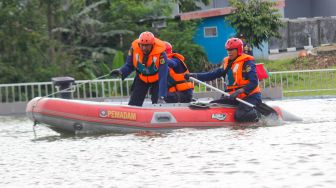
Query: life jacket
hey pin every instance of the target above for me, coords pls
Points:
(179, 82)
(148, 71)
(237, 71)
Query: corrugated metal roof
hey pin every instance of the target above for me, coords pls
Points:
(206, 13)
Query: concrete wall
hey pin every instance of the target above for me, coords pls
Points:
(328, 30)
(17, 108)
(296, 32)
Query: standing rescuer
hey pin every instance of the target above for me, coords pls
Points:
(241, 78)
(148, 58)
(247, 49)
(180, 90)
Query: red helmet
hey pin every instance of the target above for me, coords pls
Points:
(169, 48)
(146, 38)
(234, 43)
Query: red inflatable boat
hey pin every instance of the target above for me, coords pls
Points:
(77, 116)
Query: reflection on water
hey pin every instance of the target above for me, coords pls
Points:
(295, 154)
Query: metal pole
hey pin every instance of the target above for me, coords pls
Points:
(221, 91)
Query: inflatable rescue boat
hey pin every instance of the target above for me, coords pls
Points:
(79, 116)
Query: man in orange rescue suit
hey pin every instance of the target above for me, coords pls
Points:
(179, 89)
(148, 58)
(241, 78)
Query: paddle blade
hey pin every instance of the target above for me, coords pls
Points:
(265, 110)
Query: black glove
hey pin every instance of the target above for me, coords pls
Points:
(161, 100)
(116, 73)
(234, 95)
(188, 75)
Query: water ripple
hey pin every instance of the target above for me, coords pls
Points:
(299, 154)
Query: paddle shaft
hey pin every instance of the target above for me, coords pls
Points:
(221, 91)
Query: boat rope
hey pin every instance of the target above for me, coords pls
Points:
(122, 93)
(35, 123)
(33, 115)
(34, 105)
(68, 89)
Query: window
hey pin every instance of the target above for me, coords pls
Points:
(210, 32)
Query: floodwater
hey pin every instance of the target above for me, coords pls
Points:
(295, 154)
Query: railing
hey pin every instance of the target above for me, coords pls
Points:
(293, 83)
(304, 82)
(23, 92)
(296, 83)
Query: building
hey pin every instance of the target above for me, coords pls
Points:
(214, 30)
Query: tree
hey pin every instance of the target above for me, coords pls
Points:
(24, 44)
(180, 35)
(258, 20)
(130, 15)
(191, 5)
(41, 39)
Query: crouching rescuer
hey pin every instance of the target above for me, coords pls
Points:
(179, 89)
(241, 79)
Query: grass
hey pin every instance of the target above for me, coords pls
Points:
(302, 81)
(277, 65)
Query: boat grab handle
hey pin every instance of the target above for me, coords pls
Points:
(163, 117)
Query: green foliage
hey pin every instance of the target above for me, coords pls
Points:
(277, 65)
(24, 46)
(118, 60)
(191, 5)
(41, 39)
(258, 20)
(180, 35)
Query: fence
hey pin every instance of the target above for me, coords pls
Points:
(318, 82)
(83, 89)
(304, 82)
(293, 83)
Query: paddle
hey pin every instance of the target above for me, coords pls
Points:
(263, 108)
